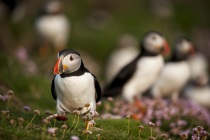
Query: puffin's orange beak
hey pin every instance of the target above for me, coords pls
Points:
(56, 67)
(166, 48)
(192, 51)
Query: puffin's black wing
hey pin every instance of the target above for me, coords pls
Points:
(53, 89)
(115, 87)
(98, 89)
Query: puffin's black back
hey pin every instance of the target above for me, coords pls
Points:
(115, 87)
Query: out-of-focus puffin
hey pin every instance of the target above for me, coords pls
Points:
(199, 68)
(53, 27)
(175, 73)
(137, 76)
(199, 92)
(125, 51)
(73, 86)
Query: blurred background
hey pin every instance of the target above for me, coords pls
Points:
(94, 28)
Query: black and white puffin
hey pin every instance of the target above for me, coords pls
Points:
(73, 86)
(137, 76)
(176, 71)
(53, 27)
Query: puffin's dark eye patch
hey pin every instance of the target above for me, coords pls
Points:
(71, 58)
(153, 37)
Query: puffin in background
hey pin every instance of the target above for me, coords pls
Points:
(125, 51)
(73, 86)
(198, 89)
(175, 73)
(199, 68)
(199, 92)
(137, 76)
(53, 28)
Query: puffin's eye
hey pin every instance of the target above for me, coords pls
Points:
(153, 37)
(71, 58)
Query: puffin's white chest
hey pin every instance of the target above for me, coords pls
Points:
(75, 91)
(148, 68)
(173, 77)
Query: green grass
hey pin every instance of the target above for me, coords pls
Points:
(108, 128)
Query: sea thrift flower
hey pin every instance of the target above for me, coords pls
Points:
(88, 132)
(141, 127)
(27, 108)
(12, 122)
(98, 136)
(181, 122)
(47, 112)
(64, 127)
(74, 138)
(164, 136)
(110, 99)
(52, 130)
(46, 121)
(152, 138)
(10, 92)
(20, 120)
(37, 112)
(151, 124)
(1, 97)
(184, 136)
(4, 112)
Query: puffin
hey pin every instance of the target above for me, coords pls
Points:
(199, 68)
(137, 76)
(198, 93)
(53, 28)
(176, 72)
(125, 51)
(73, 85)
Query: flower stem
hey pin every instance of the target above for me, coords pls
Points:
(63, 134)
(77, 123)
(139, 134)
(8, 103)
(151, 132)
(30, 122)
(128, 126)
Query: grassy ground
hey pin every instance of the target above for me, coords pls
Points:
(11, 128)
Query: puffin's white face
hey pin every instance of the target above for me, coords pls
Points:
(71, 63)
(67, 64)
(154, 43)
(184, 47)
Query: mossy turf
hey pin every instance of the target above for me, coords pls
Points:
(109, 129)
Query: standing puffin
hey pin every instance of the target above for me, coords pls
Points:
(137, 76)
(175, 73)
(53, 28)
(73, 86)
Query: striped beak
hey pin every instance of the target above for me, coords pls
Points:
(166, 48)
(57, 69)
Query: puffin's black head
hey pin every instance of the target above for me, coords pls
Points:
(183, 48)
(154, 43)
(53, 7)
(68, 61)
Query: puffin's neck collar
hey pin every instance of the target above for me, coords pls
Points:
(78, 72)
(144, 52)
(176, 58)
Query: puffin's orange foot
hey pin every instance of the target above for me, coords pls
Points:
(61, 118)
